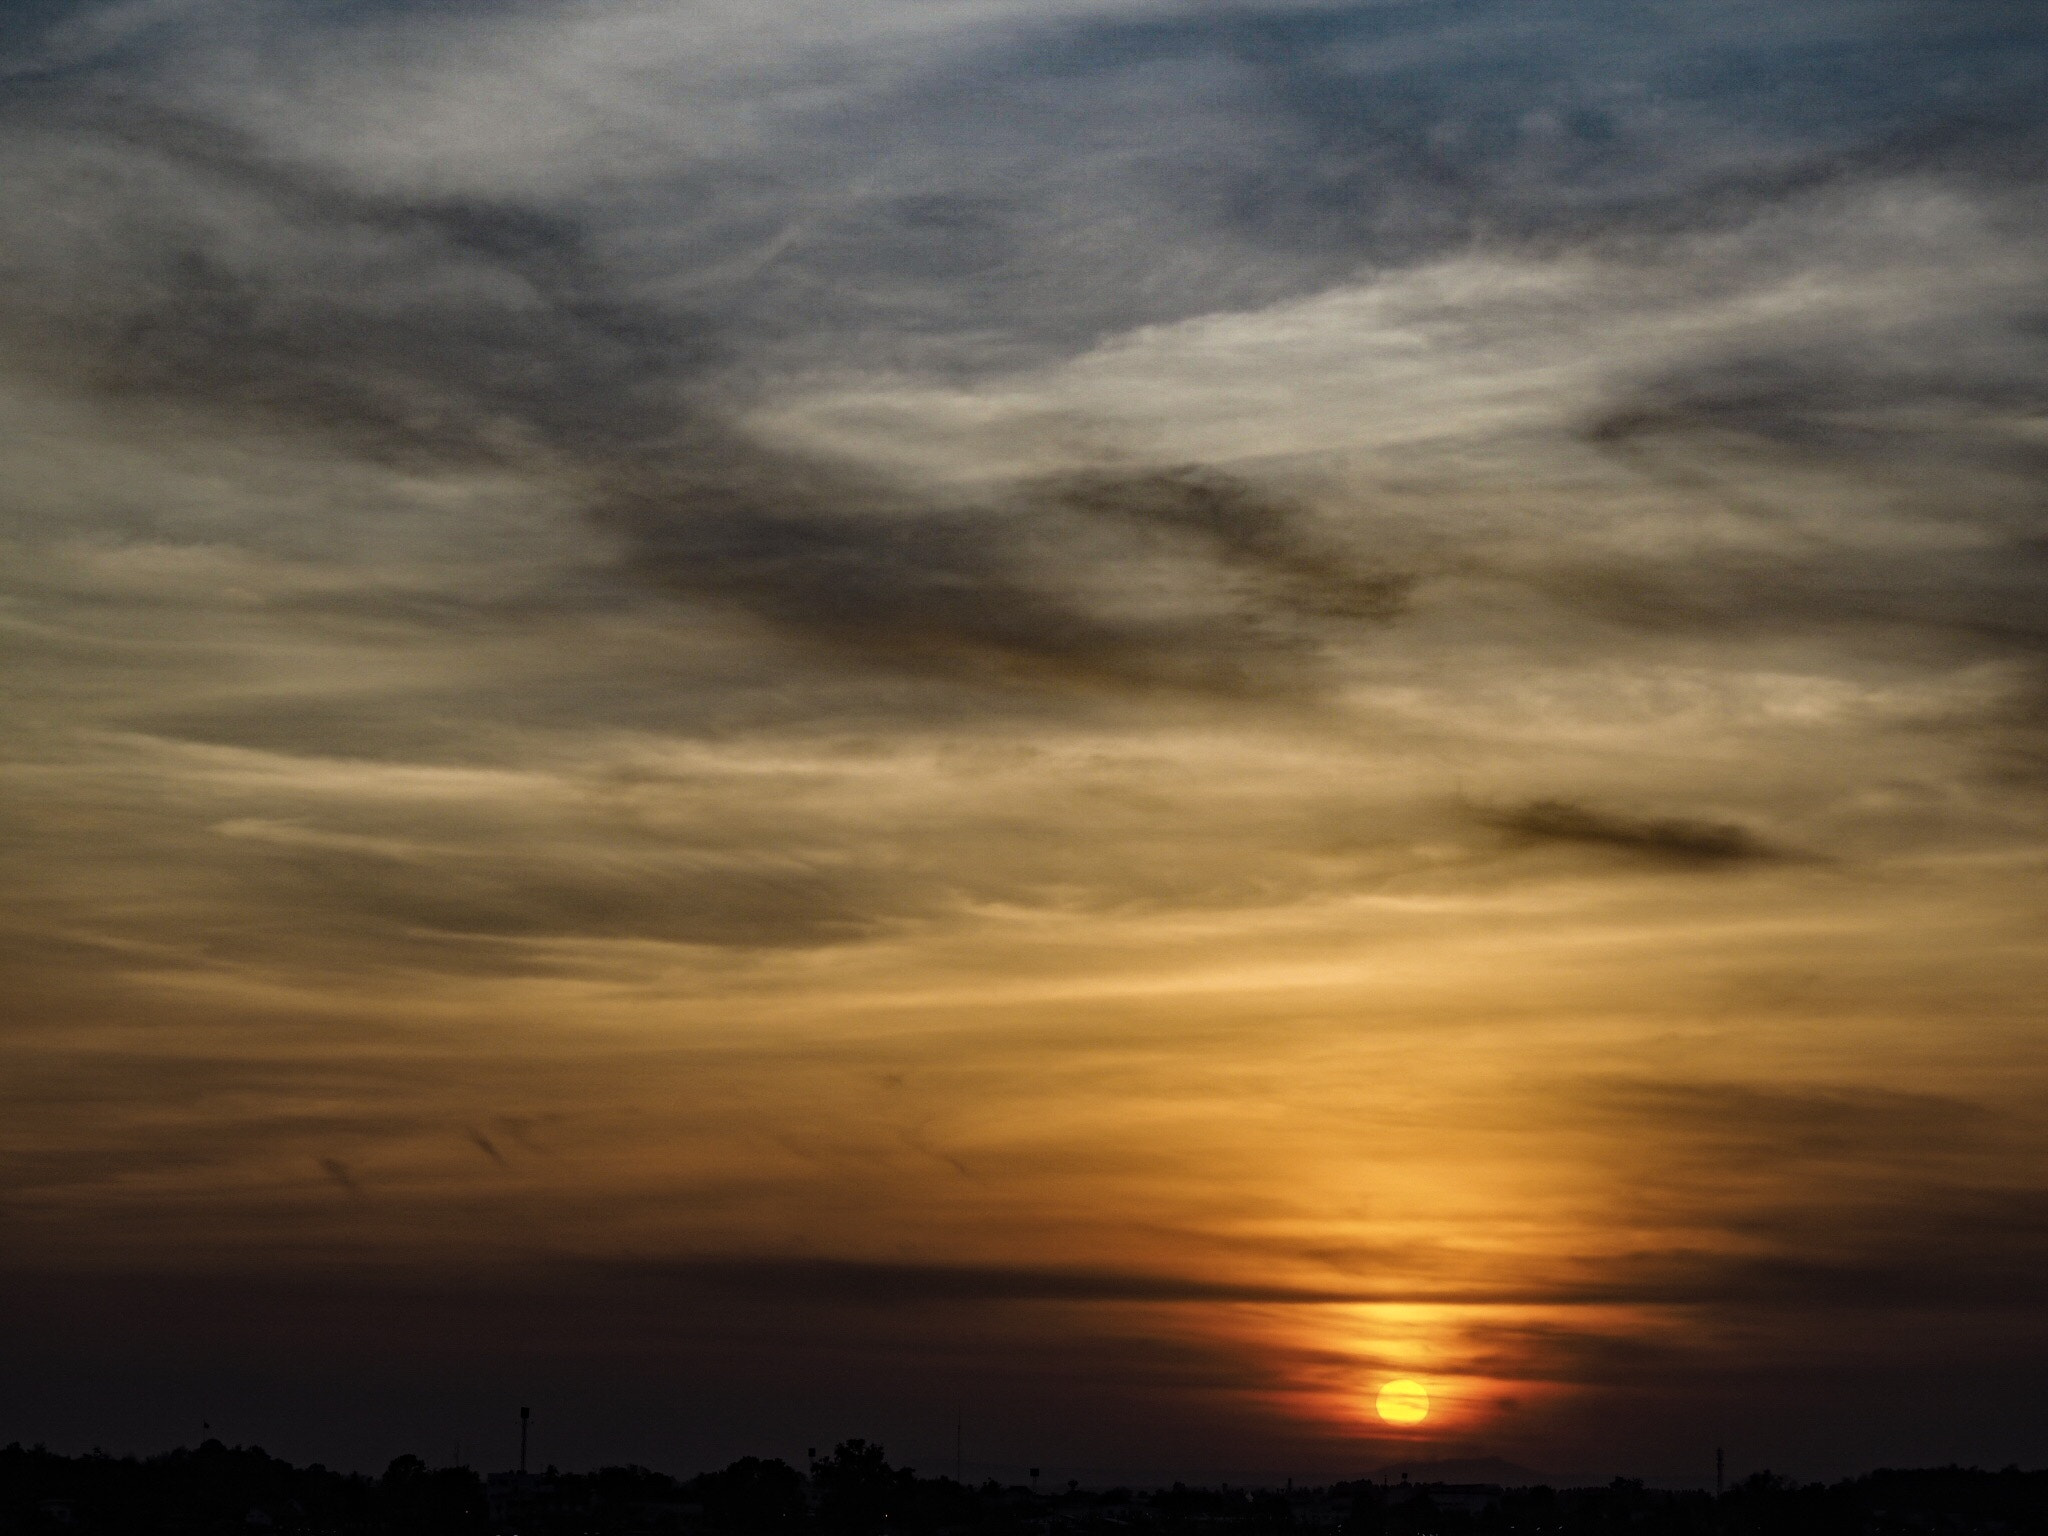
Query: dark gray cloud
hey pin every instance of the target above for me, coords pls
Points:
(1255, 531)
(441, 333)
(1872, 480)
(933, 589)
(176, 259)
(1813, 1198)
(758, 899)
(986, 593)
(1676, 840)
(1937, 1248)
(182, 1116)
(479, 330)
(912, 1285)
(1776, 1124)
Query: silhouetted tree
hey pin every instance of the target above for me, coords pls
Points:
(751, 1496)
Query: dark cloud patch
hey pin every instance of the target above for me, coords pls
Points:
(833, 562)
(758, 901)
(1945, 1248)
(1774, 1124)
(987, 592)
(1260, 536)
(1990, 1268)
(1929, 1247)
(57, 1172)
(1927, 397)
(1941, 608)
(202, 270)
(1871, 481)
(448, 334)
(198, 1085)
(1670, 840)
(1812, 1198)
(157, 1116)
(451, 331)
(909, 1284)
(812, 1280)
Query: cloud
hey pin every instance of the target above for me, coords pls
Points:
(1250, 529)
(1674, 840)
(641, 570)
(1776, 1122)
(1794, 1198)
(470, 337)
(912, 1285)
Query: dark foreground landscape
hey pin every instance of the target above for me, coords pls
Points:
(856, 1492)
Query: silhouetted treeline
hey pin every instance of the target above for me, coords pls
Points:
(1945, 1501)
(219, 1490)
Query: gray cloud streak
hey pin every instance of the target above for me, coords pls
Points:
(1674, 839)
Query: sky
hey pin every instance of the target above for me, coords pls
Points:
(1053, 730)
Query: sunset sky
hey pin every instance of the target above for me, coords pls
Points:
(1089, 722)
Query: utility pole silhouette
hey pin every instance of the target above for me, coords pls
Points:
(1717, 1471)
(525, 1414)
(958, 1416)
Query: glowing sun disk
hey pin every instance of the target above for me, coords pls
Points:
(1404, 1402)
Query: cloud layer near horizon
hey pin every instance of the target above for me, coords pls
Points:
(1187, 703)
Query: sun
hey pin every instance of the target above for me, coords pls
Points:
(1404, 1402)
